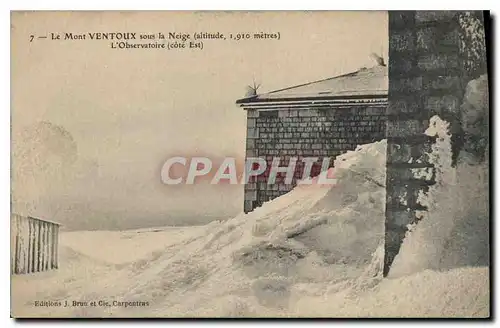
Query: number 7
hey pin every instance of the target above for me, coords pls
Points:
(31, 38)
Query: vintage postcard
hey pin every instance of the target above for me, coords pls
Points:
(250, 164)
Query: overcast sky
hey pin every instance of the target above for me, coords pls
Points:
(128, 110)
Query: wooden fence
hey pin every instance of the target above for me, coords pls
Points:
(34, 244)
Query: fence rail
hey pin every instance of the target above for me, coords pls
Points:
(34, 244)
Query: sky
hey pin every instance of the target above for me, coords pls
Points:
(129, 110)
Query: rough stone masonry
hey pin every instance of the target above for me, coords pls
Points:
(430, 62)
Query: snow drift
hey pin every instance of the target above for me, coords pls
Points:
(455, 230)
(316, 251)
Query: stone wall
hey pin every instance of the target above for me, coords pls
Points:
(426, 78)
(322, 132)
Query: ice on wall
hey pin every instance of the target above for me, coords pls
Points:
(454, 232)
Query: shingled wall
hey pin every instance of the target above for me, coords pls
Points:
(322, 132)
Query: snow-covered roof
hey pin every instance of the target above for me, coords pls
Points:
(366, 82)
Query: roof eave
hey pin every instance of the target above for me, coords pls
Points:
(309, 99)
(246, 99)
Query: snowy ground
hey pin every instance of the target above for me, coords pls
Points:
(312, 252)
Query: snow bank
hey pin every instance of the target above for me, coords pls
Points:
(316, 251)
(312, 235)
(454, 231)
(120, 247)
(462, 293)
(442, 267)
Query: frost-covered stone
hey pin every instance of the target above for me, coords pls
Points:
(475, 120)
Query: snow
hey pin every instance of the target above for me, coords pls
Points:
(455, 293)
(316, 251)
(454, 232)
(119, 247)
